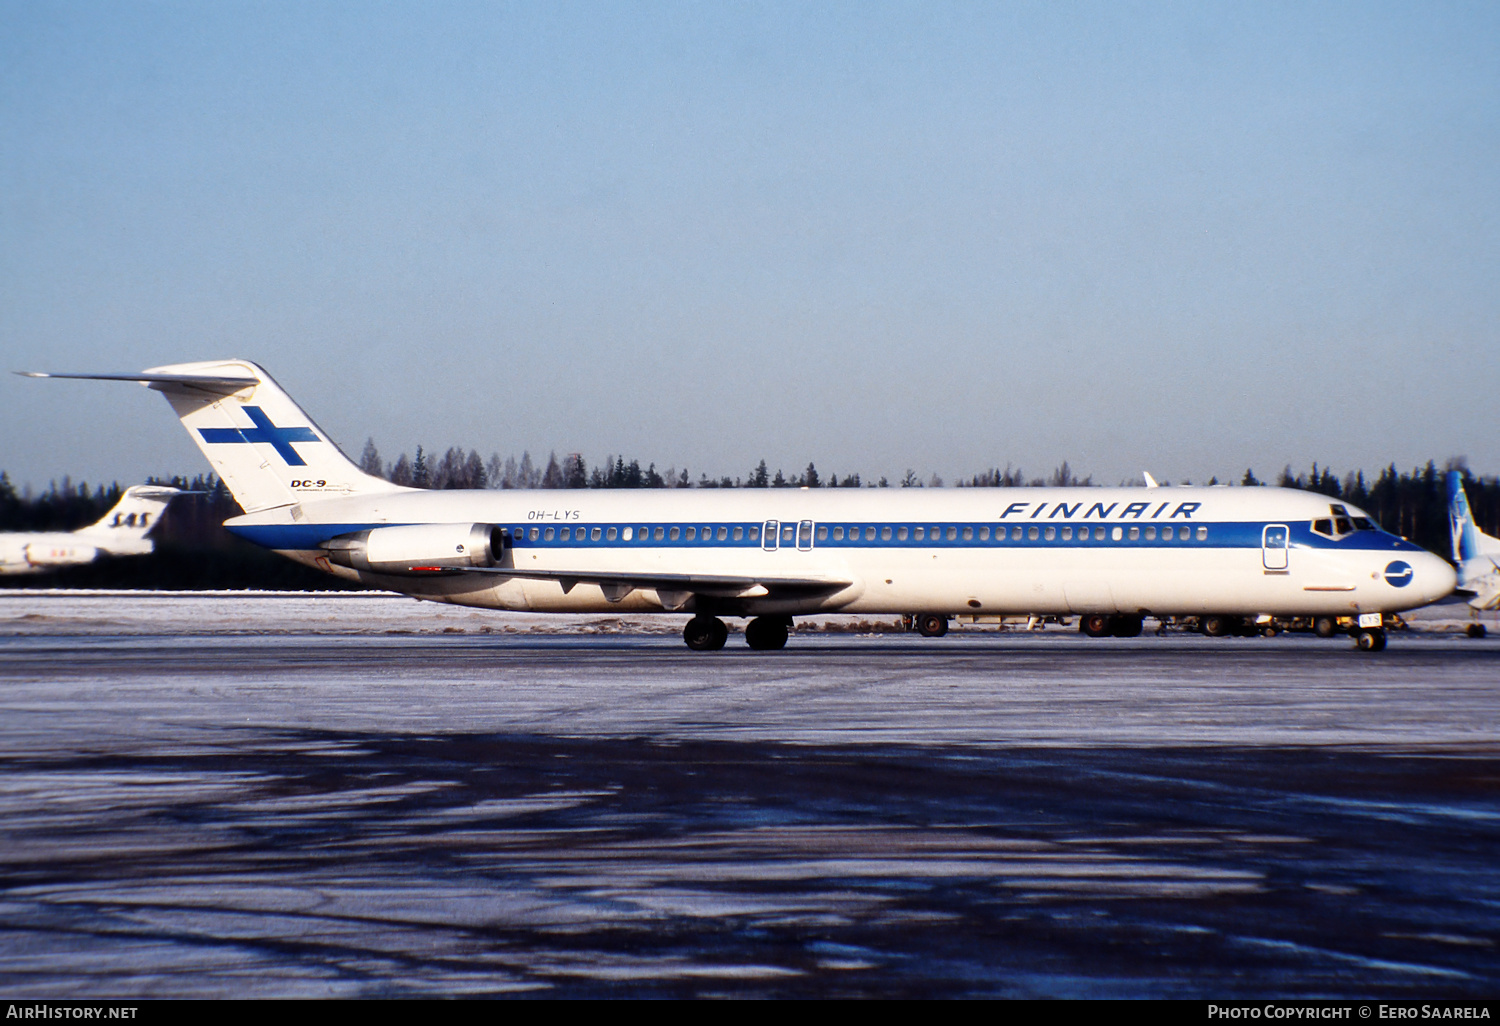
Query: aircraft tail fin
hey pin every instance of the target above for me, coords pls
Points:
(265, 448)
(1474, 552)
(132, 517)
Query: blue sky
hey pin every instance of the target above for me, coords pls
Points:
(1186, 238)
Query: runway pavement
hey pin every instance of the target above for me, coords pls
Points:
(251, 803)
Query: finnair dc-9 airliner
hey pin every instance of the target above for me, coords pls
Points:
(1112, 556)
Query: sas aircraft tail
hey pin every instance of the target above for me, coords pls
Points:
(1476, 554)
(267, 451)
(123, 529)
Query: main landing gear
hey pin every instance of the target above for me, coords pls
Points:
(708, 633)
(705, 633)
(766, 633)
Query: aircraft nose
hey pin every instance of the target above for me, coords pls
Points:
(1435, 576)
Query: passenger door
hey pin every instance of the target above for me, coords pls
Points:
(1274, 543)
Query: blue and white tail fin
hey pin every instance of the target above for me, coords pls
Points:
(1476, 554)
(123, 528)
(267, 451)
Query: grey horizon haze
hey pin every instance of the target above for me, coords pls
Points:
(1184, 238)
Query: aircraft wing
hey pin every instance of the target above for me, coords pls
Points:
(617, 584)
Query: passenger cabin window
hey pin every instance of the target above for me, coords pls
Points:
(1031, 534)
(550, 533)
(984, 534)
(1203, 534)
(951, 533)
(1135, 534)
(675, 533)
(535, 533)
(968, 534)
(885, 534)
(739, 532)
(611, 533)
(659, 533)
(1051, 534)
(1015, 534)
(901, 534)
(1067, 534)
(594, 534)
(838, 534)
(919, 533)
(692, 534)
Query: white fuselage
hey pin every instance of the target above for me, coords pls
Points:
(37, 552)
(986, 551)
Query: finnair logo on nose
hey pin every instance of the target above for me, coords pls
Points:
(279, 438)
(1398, 574)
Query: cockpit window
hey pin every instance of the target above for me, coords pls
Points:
(1338, 526)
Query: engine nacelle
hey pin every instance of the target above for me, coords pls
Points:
(418, 548)
(60, 554)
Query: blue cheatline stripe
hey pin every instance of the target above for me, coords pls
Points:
(745, 535)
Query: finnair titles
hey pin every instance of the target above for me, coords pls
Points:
(1232, 557)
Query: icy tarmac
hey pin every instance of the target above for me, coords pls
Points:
(366, 796)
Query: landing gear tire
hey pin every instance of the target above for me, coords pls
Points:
(705, 633)
(1476, 630)
(766, 633)
(932, 625)
(1270, 630)
(1370, 639)
(1218, 626)
(1096, 625)
(1126, 626)
(1325, 626)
